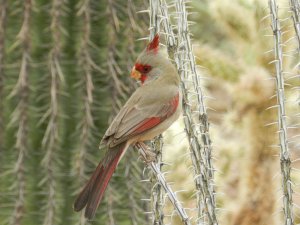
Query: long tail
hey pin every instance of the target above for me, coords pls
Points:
(90, 197)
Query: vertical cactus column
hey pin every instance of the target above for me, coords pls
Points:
(285, 161)
(117, 89)
(3, 14)
(20, 115)
(86, 125)
(113, 66)
(51, 140)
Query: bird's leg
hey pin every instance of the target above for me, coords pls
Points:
(146, 153)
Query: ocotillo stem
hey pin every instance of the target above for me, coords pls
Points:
(161, 179)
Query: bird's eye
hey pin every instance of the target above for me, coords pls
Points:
(146, 69)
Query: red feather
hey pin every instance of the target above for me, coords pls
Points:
(146, 125)
(91, 196)
(154, 44)
(174, 104)
(92, 193)
(143, 78)
(83, 197)
(149, 123)
(144, 69)
(100, 186)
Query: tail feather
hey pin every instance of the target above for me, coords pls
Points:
(92, 193)
(98, 191)
(83, 196)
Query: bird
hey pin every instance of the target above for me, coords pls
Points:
(150, 110)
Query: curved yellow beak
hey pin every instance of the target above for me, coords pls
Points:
(135, 74)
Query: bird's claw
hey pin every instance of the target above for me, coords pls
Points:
(147, 155)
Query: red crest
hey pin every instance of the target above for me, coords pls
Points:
(154, 44)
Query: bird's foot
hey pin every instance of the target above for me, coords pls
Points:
(146, 153)
(149, 156)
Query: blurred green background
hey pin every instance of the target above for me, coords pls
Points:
(64, 73)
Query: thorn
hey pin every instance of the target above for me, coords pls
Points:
(272, 107)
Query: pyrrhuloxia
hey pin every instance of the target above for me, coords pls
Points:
(151, 109)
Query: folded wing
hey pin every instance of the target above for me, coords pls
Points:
(137, 119)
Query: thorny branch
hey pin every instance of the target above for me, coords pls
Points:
(154, 18)
(157, 194)
(20, 115)
(196, 122)
(285, 161)
(132, 201)
(200, 142)
(295, 8)
(133, 175)
(161, 179)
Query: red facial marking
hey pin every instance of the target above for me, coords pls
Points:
(144, 70)
(154, 44)
(143, 78)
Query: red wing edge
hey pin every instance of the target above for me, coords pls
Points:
(149, 123)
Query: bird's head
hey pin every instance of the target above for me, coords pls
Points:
(150, 63)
